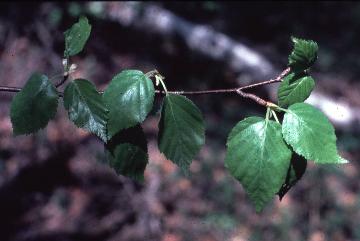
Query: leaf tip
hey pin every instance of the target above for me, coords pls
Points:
(294, 39)
(259, 208)
(341, 160)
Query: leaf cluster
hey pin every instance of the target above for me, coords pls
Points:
(266, 156)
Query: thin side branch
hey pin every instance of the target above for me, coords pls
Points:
(9, 89)
(233, 90)
(66, 76)
(277, 79)
(238, 90)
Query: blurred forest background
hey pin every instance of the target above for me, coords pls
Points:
(53, 185)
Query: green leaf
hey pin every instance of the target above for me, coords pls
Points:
(304, 54)
(127, 153)
(181, 130)
(310, 134)
(134, 135)
(258, 158)
(76, 37)
(85, 107)
(129, 160)
(129, 98)
(296, 170)
(33, 107)
(294, 89)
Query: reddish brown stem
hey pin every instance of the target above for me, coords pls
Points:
(255, 98)
(232, 90)
(9, 89)
(238, 90)
(63, 80)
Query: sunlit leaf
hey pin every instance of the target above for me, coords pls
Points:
(310, 134)
(258, 158)
(294, 89)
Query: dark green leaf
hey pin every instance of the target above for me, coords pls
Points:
(134, 135)
(34, 105)
(85, 107)
(296, 170)
(310, 134)
(129, 160)
(181, 130)
(294, 89)
(76, 37)
(303, 55)
(129, 98)
(127, 153)
(258, 157)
